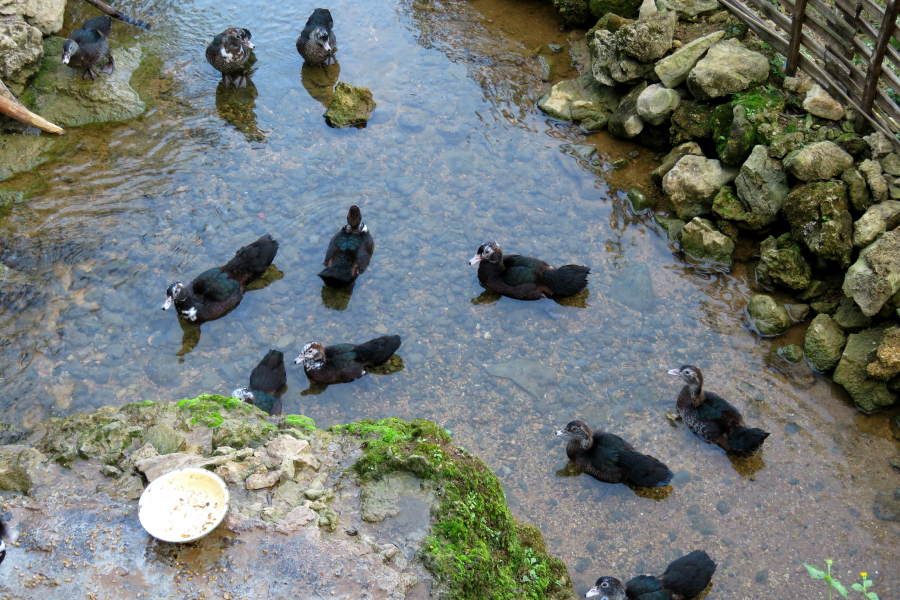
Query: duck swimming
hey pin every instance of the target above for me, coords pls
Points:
(684, 579)
(317, 43)
(526, 278)
(345, 362)
(713, 418)
(216, 291)
(611, 459)
(348, 252)
(228, 53)
(88, 46)
(267, 381)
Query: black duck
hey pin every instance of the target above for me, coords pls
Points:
(317, 43)
(684, 579)
(348, 252)
(345, 362)
(228, 53)
(88, 46)
(526, 278)
(267, 381)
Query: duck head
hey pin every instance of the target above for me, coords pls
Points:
(580, 432)
(320, 34)
(244, 36)
(178, 295)
(69, 50)
(354, 221)
(607, 588)
(491, 252)
(312, 356)
(243, 394)
(691, 376)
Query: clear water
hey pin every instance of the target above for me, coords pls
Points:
(456, 155)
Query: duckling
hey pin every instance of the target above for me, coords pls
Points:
(713, 418)
(216, 291)
(348, 252)
(526, 278)
(88, 46)
(611, 459)
(345, 362)
(228, 53)
(267, 381)
(685, 578)
(317, 43)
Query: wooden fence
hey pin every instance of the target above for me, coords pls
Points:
(844, 45)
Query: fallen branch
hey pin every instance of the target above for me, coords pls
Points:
(11, 107)
(118, 15)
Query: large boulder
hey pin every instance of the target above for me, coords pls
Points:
(626, 122)
(768, 316)
(877, 219)
(820, 104)
(580, 99)
(824, 343)
(818, 216)
(44, 15)
(875, 276)
(61, 96)
(818, 162)
(761, 192)
(611, 66)
(673, 70)
(700, 240)
(869, 394)
(20, 52)
(727, 68)
(692, 184)
(782, 263)
(647, 40)
(672, 159)
(656, 104)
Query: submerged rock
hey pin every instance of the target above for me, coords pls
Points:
(767, 316)
(580, 99)
(824, 343)
(869, 394)
(21, 152)
(350, 105)
(531, 376)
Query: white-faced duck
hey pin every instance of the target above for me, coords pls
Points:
(267, 381)
(611, 459)
(88, 46)
(684, 579)
(348, 252)
(216, 291)
(713, 418)
(526, 278)
(345, 362)
(317, 43)
(228, 53)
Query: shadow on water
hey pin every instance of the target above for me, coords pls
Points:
(237, 108)
(337, 298)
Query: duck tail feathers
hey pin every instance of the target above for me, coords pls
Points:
(744, 440)
(645, 471)
(378, 351)
(252, 260)
(567, 280)
(689, 575)
(339, 273)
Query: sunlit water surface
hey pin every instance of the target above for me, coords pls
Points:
(455, 155)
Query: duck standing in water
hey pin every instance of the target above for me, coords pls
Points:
(228, 53)
(216, 291)
(526, 278)
(684, 579)
(611, 459)
(348, 252)
(267, 381)
(345, 362)
(317, 43)
(713, 418)
(88, 46)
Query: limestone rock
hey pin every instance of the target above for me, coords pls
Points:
(129, 487)
(21, 51)
(702, 241)
(869, 394)
(21, 468)
(875, 276)
(647, 9)
(824, 343)
(238, 472)
(692, 184)
(849, 317)
(819, 103)
(735, 135)
(295, 520)
(22, 152)
(656, 104)
(639, 200)
(350, 105)
(157, 466)
(285, 447)
(672, 227)
(877, 219)
(797, 312)
(782, 263)
(691, 120)
(791, 353)
(238, 433)
(261, 481)
(690, 9)
(818, 162)
(767, 316)
(579, 99)
(673, 70)
(761, 191)
(126, 465)
(800, 84)
(727, 68)
(610, 66)
(626, 122)
(887, 363)
(45, 15)
(879, 145)
(648, 39)
(164, 438)
(672, 158)
(818, 216)
(856, 189)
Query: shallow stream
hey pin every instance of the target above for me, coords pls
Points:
(455, 155)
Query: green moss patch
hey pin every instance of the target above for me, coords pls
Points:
(206, 409)
(297, 422)
(475, 548)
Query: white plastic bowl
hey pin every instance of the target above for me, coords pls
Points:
(184, 505)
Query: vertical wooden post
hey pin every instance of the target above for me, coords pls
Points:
(888, 24)
(793, 57)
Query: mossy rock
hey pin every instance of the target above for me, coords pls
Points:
(298, 422)
(691, 120)
(237, 434)
(623, 8)
(475, 548)
(350, 105)
(212, 410)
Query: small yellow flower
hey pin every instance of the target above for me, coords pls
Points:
(864, 574)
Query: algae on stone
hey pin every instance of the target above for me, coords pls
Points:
(350, 105)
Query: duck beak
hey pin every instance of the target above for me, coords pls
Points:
(298, 360)
(65, 59)
(592, 592)
(562, 432)
(327, 46)
(675, 372)
(168, 303)
(475, 260)
(250, 44)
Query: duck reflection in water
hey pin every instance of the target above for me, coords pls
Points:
(319, 80)
(337, 298)
(236, 106)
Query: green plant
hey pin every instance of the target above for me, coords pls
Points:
(817, 573)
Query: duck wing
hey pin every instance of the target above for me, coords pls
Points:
(716, 408)
(269, 375)
(690, 574)
(646, 587)
(101, 24)
(364, 252)
(214, 285)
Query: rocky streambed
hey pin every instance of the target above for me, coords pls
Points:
(385, 509)
(758, 168)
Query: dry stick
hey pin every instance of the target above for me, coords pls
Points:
(872, 77)
(11, 107)
(118, 15)
(796, 34)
